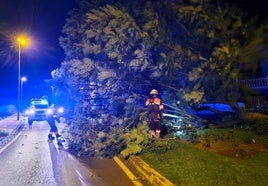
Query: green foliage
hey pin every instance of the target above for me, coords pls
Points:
(92, 138)
(135, 140)
(117, 52)
(109, 141)
(158, 147)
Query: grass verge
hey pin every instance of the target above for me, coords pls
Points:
(184, 164)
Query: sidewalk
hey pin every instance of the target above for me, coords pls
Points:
(12, 127)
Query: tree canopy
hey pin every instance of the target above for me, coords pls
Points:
(191, 51)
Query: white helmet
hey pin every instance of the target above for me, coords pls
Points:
(153, 92)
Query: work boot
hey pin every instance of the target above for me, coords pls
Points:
(58, 135)
(50, 137)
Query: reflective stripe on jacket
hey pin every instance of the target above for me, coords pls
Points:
(155, 101)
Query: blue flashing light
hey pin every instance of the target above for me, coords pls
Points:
(60, 110)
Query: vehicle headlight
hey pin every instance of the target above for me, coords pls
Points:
(30, 111)
(49, 112)
(60, 110)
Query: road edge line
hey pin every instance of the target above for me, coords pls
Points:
(129, 174)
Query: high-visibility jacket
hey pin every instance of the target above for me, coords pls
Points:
(154, 105)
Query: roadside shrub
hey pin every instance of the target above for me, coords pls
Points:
(158, 147)
(260, 126)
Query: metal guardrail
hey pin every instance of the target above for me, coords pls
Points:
(255, 83)
(258, 102)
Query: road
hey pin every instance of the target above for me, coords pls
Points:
(31, 160)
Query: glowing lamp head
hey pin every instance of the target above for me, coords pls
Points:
(23, 41)
(23, 79)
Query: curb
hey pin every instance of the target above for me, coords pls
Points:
(151, 175)
(142, 169)
(11, 136)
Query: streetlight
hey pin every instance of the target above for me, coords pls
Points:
(23, 79)
(22, 41)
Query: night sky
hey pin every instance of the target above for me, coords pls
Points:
(43, 20)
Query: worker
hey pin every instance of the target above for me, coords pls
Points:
(154, 113)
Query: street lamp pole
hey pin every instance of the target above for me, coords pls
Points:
(23, 79)
(19, 91)
(21, 42)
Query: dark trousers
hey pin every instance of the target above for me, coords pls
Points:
(153, 121)
(52, 124)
